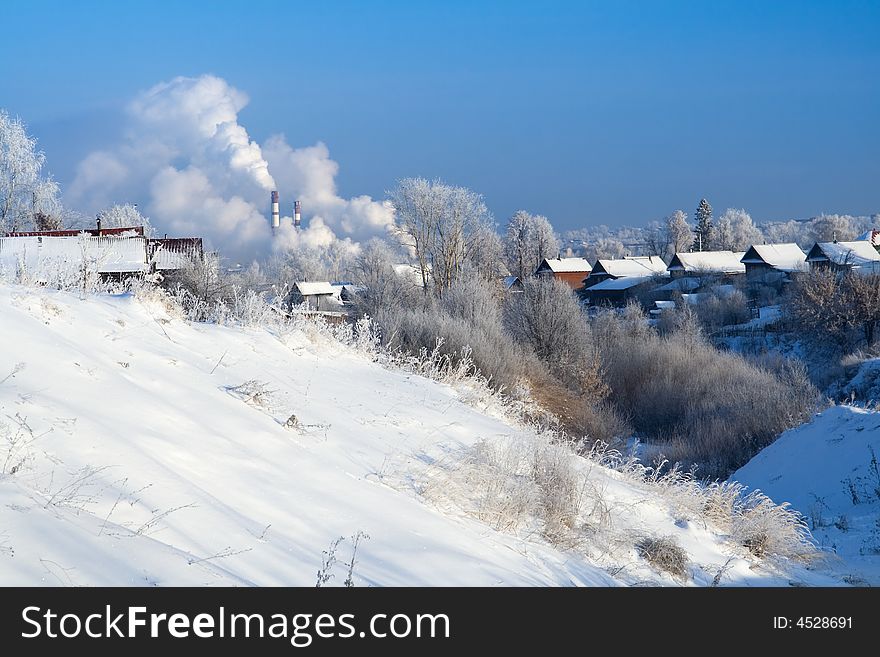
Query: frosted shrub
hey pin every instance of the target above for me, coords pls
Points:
(664, 554)
(768, 529)
(492, 353)
(547, 318)
(519, 484)
(699, 405)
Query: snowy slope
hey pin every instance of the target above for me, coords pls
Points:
(827, 470)
(134, 455)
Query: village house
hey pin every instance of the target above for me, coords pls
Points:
(871, 235)
(618, 292)
(315, 295)
(626, 267)
(511, 284)
(112, 253)
(703, 264)
(571, 271)
(844, 256)
(772, 264)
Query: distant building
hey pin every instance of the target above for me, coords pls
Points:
(844, 256)
(717, 264)
(316, 295)
(772, 263)
(511, 284)
(111, 252)
(571, 271)
(872, 235)
(617, 291)
(627, 267)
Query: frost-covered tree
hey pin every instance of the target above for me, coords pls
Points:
(373, 271)
(831, 227)
(486, 257)
(125, 215)
(736, 231)
(704, 227)
(656, 240)
(442, 225)
(528, 239)
(27, 199)
(547, 318)
(678, 232)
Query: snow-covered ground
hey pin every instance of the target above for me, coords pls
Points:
(828, 470)
(137, 448)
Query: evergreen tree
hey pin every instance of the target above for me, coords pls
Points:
(704, 229)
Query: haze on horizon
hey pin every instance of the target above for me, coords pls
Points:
(587, 112)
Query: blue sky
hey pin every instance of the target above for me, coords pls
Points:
(588, 112)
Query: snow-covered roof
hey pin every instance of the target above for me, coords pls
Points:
(624, 283)
(709, 262)
(565, 265)
(854, 254)
(105, 254)
(872, 235)
(665, 305)
(784, 257)
(509, 281)
(312, 288)
(630, 266)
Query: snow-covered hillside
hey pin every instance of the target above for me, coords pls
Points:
(828, 470)
(137, 448)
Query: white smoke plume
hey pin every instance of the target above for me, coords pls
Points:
(193, 168)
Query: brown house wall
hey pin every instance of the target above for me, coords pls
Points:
(574, 279)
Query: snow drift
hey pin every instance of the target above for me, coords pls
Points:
(137, 448)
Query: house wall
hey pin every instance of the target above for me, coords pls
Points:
(574, 279)
(757, 270)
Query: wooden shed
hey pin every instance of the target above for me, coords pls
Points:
(316, 295)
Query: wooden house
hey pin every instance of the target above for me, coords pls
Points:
(844, 256)
(511, 284)
(571, 271)
(627, 267)
(316, 295)
(773, 263)
(703, 264)
(617, 292)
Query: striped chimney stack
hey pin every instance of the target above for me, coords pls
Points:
(276, 212)
(297, 218)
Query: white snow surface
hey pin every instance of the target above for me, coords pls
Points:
(152, 464)
(824, 470)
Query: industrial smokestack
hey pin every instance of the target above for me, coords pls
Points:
(276, 213)
(296, 214)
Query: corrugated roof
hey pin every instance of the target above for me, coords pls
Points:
(785, 257)
(566, 265)
(311, 288)
(709, 262)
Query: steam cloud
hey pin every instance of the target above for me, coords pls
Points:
(187, 155)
